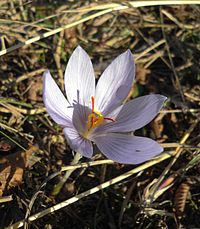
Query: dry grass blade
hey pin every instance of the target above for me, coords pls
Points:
(44, 36)
(127, 4)
(30, 75)
(102, 186)
(52, 32)
(4, 199)
(108, 8)
(155, 188)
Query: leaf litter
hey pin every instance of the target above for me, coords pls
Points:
(23, 117)
(12, 168)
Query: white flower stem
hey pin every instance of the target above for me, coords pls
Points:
(59, 186)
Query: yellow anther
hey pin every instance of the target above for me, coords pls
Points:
(98, 121)
(95, 119)
(98, 113)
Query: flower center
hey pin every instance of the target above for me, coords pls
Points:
(96, 118)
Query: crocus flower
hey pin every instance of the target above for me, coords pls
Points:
(97, 115)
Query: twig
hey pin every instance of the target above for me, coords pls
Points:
(59, 186)
(180, 111)
(12, 140)
(57, 57)
(174, 159)
(87, 164)
(102, 186)
(181, 25)
(178, 85)
(4, 199)
(108, 8)
(52, 32)
(30, 74)
(150, 49)
(25, 111)
(127, 4)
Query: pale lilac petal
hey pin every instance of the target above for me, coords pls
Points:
(80, 118)
(106, 127)
(136, 114)
(127, 149)
(78, 143)
(79, 78)
(115, 83)
(113, 114)
(56, 104)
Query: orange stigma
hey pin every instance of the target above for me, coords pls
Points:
(96, 118)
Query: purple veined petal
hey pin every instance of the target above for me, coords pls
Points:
(115, 83)
(56, 104)
(104, 128)
(127, 149)
(80, 118)
(79, 78)
(78, 143)
(114, 113)
(136, 113)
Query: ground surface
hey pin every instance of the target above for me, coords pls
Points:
(165, 42)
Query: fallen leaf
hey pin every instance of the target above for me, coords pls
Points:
(150, 194)
(35, 89)
(142, 75)
(157, 126)
(5, 146)
(12, 168)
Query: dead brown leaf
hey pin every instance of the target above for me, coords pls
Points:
(142, 75)
(35, 89)
(12, 168)
(5, 146)
(71, 37)
(157, 126)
